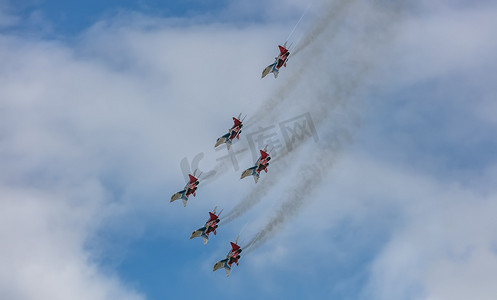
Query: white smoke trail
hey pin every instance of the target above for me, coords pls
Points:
(335, 11)
(340, 78)
(281, 164)
(344, 60)
(331, 20)
(368, 46)
(309, 177)
(296, 25)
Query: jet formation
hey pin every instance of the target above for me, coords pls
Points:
(261, 164)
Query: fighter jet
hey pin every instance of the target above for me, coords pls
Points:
(233, 133)
(232, 257)
(210, 226)
(190, 188)
(280, 61)
(261, 164)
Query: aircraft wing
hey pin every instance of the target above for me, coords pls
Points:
(247, 172)
(222, 139)
(197, 233)
(222, 264)
(178, 195)
(267, 70)
(251, 171)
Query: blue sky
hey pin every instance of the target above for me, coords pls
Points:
(100, 101)
(73, 17)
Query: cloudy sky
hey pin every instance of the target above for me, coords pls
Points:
(389, 193)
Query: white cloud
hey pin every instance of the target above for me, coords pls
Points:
(420, 233)
(438, 249)
(88, 130)
(445, 42)
(91, 138)
(42, 255)
(409, 235)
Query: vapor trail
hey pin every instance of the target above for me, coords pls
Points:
(332, 21)
(281, 164)
(336, 13)
(366, 49)
(296, 25)
(299, 193)
(340, 78)
(333, 13)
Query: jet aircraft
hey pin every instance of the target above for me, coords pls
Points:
(190, 189)
(210, 226)
(261, 164)
(280, 61)
(234, 132)
(232, 257)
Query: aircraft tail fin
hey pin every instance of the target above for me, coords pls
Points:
(205, 238)
(255, 174)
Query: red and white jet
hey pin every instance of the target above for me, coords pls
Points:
(232, 257)
(280, 61)
(210, 226)
(190, 189)
(261, 164)
(233, 133)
